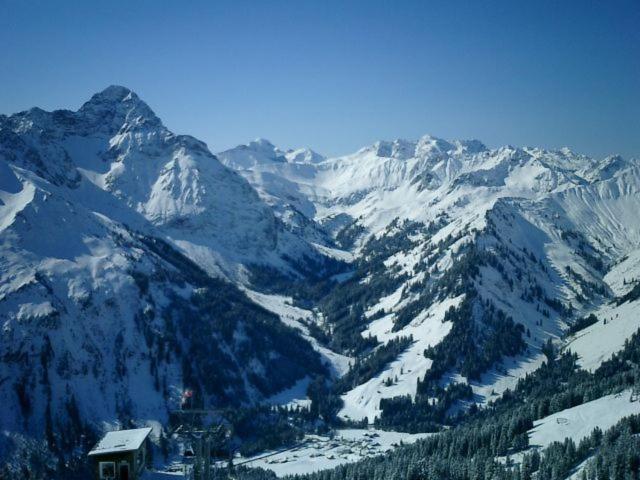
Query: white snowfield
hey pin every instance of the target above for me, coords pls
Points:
(600, 341)
(616, 323)
(622, 275)
(321, 453)
(578, 422)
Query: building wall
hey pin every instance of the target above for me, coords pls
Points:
(132, 457)
(129, 457)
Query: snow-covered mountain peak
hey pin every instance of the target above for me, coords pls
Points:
(304, 155)
(262, 151)
(429, 144)
(399, 149)
(470, 146)
(566, 151)
(426, 146)
(261, 144)
(263, 154)
(395, 178)
(611, 166)
(117, 143)
(257, 152)
(116, 107)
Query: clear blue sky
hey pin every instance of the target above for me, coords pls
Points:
(338, 75)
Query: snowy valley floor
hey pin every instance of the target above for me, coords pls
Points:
(320, 452)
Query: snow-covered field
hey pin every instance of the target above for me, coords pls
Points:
(601, 340)
(320, 453)
(578, 422)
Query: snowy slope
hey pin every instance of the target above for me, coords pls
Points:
(95, 302)
(578, 422)
(598, 342)
(101, 313)
(299, 318)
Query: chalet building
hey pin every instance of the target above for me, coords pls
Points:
(120, 455)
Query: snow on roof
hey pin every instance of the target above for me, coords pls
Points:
(121, 441)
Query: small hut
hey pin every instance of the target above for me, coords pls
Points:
(120, 455)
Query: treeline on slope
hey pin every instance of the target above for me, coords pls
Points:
(344, 310)
(469, 450)
(631, 296)
(309, 280)
(368, 367)
(197, 329)
(475, 343)
(261, 428)
(612, 455)
(469, 348)
(325, 396)
(583, 248)
(481, 332)
(422, 413)
(523, 263)
(345, 305)
(582, 323)
(481, 335)
(346, 238)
